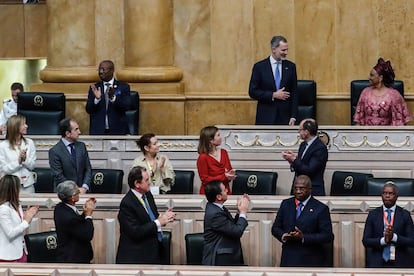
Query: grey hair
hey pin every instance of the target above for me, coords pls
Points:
(66, 190)
(274, 43)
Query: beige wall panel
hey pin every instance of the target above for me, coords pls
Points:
(35, 30)
(76, 110)
(161, 117)
(72, 25)
(201, 113)
(271, 18)
(231, 43)
(395, 38)
(12, 31)
(192, 43)
(315, 46)
(107, 32)
(148, 33)
(333, 112)
(356, 23)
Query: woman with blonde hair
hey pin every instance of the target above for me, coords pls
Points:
(13, 221)
(213, 163)
(18, 153)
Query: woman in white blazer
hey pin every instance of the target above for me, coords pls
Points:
(13, 221)
(18, 154)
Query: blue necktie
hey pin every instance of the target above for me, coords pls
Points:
(386, 250)
(151, 215)
(299, 209)
(277, 76)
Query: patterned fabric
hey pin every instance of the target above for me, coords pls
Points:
(388, 109)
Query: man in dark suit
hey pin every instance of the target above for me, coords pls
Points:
(107, 102)
(311, 158)
(69, 159)
(303, 224)
(222, 233)
(273, 84)
(74, 231)
(388, 233)
(140, 223)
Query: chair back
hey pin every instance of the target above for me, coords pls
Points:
(184, 182)
(132, 114)
(349, 183)
(358, 85)
(43, 111)
(43, 178)
(254, 183)
(194, 245)
(166, 248)
(405, 186)
(106, 181)
(306, 90)
(42, 247)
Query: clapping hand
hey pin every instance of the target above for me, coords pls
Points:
(96, 91)
(230, 174)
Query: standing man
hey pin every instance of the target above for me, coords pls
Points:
(10, 105)
(273, 84)
(302, 225)
(74, 229)
(107, 102)
(311, 158)
(222, 233)
(388, 232)
(69, 159)
(140, 223)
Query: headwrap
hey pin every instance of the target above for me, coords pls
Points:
(384, 69)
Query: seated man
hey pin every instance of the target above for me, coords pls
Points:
(389, 231)
(10, 105)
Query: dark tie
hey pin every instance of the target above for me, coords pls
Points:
(227, 212)
(304, 150)
(386, 250)
(107, 85)
(277, 75)
(151, 215)
(73, 152)
(299, 209)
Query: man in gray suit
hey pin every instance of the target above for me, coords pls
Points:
(222, 232)
(69, 159)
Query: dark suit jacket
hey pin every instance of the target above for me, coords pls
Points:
(117, 119)
(261, 88)
(63, 167)
(374, 231)
(74, 234)
(138, 243)
(314, 222)
(222, 236)
(312, 164)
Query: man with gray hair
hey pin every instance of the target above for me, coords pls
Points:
(74, 230)
(273, 84)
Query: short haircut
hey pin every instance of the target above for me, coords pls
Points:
(135, 174)
(66, 190)
(392, 185)
(110, 62)
(64, 125)
(311, 126)
(144, 140)
(212, 189)
(274, 43)
(304, 179)
(17, 85)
